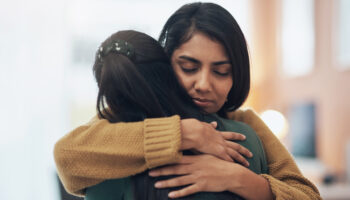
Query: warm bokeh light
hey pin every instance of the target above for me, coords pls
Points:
(276, 122)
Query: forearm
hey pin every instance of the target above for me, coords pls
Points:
(101, 150)
(290, 190)
(249, 185)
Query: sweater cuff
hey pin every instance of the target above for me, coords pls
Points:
(279, 189)
(162, 141)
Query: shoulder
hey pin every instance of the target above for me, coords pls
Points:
(93, 120)
(249, 117)
(240, 127)
(244, 114)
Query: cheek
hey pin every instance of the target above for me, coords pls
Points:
(183, 79)
(225, 89)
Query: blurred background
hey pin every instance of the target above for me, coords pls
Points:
(300, 55)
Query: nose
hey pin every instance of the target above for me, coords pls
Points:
(203, 82)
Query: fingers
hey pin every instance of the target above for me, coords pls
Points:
(175, 182)
(240, 149)
(232, 135)
(170, 170)
(223, 153)
(181, 168)
(237, 151)
(185, 191)
(238, 157)
(231, 150)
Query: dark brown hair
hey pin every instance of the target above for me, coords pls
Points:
(218, 24)
(140, 86)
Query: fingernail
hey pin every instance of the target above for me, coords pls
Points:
(171, 195)
(250, 154)
(244, 137)
(158, 185)
(151, 173)
(247, 164)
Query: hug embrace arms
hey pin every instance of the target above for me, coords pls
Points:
(125, 80)
(101, 150)
(80, 168)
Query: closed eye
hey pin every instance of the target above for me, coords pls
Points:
(188, 70)
(222, 73)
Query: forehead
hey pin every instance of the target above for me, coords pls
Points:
(202, 48)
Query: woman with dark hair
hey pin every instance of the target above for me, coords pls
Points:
(210, 59)
(136, 81)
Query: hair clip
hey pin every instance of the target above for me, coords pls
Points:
(117, 46)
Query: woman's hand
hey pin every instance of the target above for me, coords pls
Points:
(201, 172)
(204, 138)
(206, 173)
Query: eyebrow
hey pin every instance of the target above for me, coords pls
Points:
(193, 60)
(221, 63)
(190, 59)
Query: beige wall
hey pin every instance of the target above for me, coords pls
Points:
(327, 86)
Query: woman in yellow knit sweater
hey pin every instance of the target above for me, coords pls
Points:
(130, 59)
(192, 37)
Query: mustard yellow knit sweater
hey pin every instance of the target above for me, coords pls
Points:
(100, 150)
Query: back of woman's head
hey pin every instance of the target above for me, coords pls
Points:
(135, 79)
(218, 24)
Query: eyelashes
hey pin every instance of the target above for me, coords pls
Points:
(222, 73)
(188, 70)
(193, 70)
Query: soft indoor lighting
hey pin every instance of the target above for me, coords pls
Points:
(276, 122)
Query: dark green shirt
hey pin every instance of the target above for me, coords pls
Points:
(121, 189)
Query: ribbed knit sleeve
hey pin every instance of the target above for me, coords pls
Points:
(289, 189)
(100, 150)
(162, 141)
(285, 178)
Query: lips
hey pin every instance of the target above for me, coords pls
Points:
(202, 102)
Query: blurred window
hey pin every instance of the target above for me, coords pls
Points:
(343, 33)
(298, 37)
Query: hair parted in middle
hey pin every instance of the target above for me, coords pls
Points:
(218, 24)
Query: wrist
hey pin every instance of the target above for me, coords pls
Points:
(189, 134)
(237, 174)
(249, 185)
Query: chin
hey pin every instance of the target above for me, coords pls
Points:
(209, 111)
